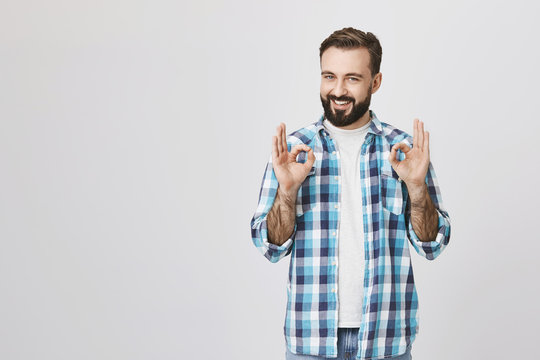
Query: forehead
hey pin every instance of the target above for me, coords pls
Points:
(343, 61)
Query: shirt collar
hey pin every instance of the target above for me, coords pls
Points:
(374, 127)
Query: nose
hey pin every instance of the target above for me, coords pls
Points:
(340, 89)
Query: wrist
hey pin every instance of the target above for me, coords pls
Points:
(288, 195)
(416, 191)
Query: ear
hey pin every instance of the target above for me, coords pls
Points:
(376, 82)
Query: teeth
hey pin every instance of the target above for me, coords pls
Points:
(341, 102)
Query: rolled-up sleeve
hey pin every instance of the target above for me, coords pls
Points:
(259, 227)
(431, 249)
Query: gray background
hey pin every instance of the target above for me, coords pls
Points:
(133, 140)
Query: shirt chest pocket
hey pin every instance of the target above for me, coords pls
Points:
(391, 194)
(306, 198)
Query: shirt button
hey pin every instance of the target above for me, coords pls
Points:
(333, 290)
(333, 263)
(333, 152)
(334, 233)
(336, 206)
(336, 177)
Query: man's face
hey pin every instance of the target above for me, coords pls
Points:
(346, 84)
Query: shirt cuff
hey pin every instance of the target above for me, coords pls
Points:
(274, 252)
(431, 249)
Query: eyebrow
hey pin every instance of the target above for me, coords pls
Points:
(348, 74)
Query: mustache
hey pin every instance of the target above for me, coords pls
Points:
(341, 98)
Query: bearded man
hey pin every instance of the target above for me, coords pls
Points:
(345, 196)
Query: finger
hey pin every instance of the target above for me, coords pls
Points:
(420, 135)
(278, 140)
(426, 142)
(311, 158)
(297, 149)
(401, 146)
(415, 133)
(275, 152)
(284, 138)
(393, 153)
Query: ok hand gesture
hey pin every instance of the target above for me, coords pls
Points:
(289, 173)
(413, 169)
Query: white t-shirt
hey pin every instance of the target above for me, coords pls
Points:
(351, 260)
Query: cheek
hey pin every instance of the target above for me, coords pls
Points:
(325, 89)
(359, 95)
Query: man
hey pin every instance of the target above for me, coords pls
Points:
(347, 213)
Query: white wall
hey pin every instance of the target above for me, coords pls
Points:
(133, 139)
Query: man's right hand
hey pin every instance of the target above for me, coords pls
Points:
(289, 173)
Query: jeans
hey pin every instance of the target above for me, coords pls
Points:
(347, 348)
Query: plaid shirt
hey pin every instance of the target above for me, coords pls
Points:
(390, 303)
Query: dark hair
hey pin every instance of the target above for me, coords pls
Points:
(350, 38)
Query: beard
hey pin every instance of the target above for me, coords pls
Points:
(339, 119)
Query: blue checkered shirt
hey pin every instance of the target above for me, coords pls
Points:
(390, 302)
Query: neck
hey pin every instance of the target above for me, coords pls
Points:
(358, 123)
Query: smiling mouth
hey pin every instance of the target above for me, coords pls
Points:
(341, 105)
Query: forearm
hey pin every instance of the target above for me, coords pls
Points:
(424, 216)
(281, 217)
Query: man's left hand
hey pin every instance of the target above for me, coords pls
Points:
(413, 169)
